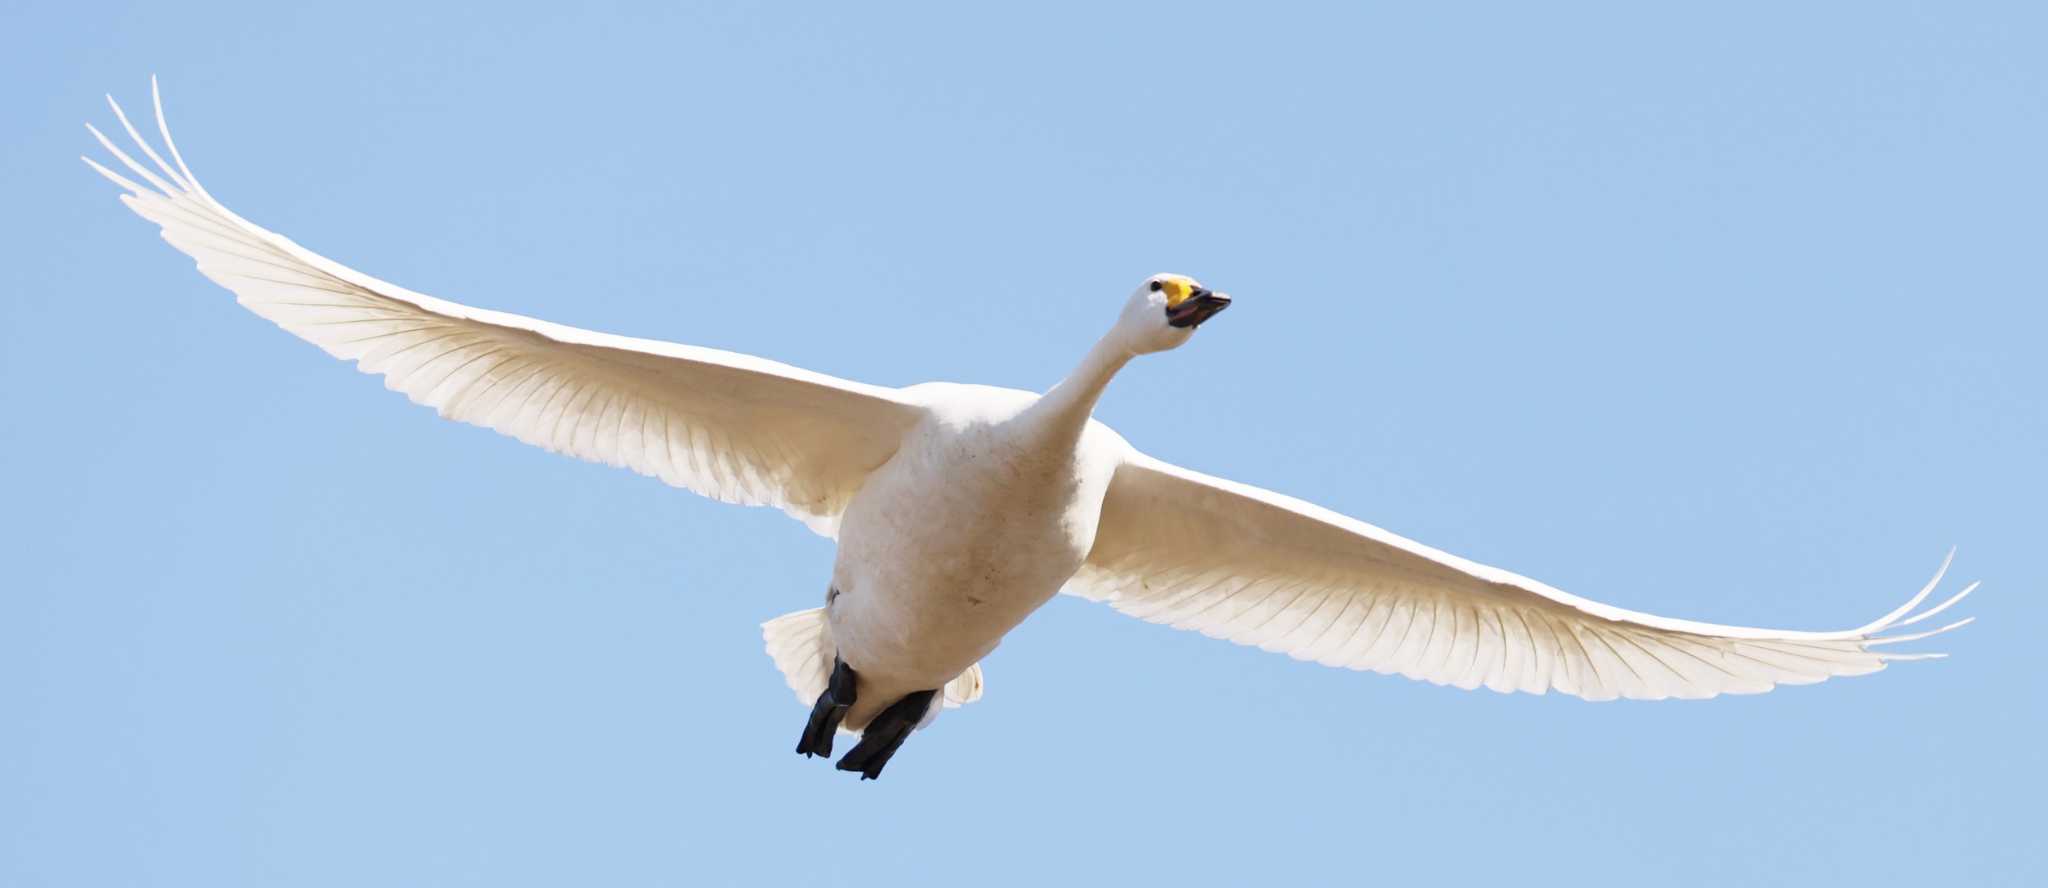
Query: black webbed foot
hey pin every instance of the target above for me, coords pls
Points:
(829, 711)
(886, 734)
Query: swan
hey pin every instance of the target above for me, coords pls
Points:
(960, 509)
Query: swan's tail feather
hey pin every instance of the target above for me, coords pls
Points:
(801, 645)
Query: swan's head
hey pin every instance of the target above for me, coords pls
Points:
(1165, 310)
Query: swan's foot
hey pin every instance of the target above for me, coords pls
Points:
(886, 734)
(829, 712)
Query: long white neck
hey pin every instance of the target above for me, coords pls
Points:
(1064, 410)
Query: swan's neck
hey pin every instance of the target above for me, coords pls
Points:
(1064, 411)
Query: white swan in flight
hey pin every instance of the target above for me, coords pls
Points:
(961, 509)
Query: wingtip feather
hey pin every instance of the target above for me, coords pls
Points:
(1916, 636)
(142, 143)
(1911, 603)
(1939, 607)
(129, 162)
(112, 176)
(163, 127)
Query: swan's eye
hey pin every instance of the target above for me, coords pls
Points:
(1157, 286)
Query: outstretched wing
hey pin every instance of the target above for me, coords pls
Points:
(732, 427)
(1255, 567)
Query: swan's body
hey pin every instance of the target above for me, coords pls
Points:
(961, 509)
(931, 575)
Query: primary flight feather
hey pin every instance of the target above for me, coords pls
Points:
(960, 509)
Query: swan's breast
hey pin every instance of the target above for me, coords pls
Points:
(974, 524)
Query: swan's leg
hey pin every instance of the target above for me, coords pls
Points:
(886, 734)
(828, 712)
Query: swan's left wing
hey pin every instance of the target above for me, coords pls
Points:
(732, 427)
(1232, 561)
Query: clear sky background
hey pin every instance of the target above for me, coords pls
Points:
(1723, 312)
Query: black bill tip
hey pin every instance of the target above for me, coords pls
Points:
(1198, 307)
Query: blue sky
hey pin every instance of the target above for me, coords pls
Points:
(1730, 313)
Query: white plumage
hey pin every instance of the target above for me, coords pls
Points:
(1258, 568)
(960, 509)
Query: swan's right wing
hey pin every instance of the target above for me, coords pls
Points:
(732, 427)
